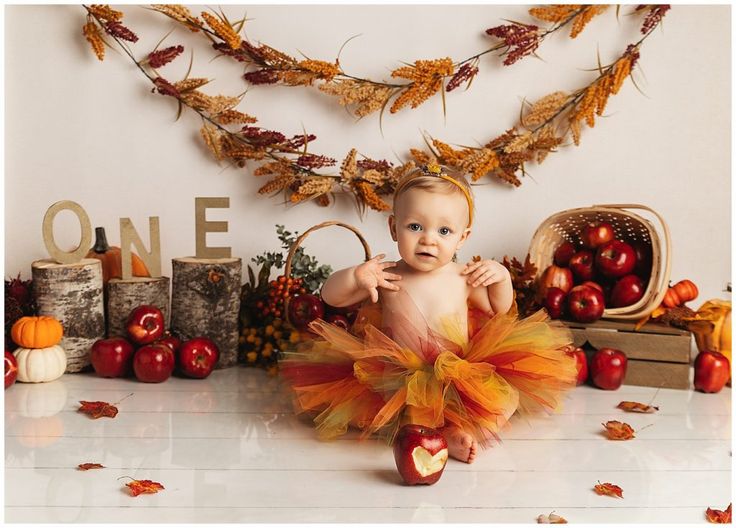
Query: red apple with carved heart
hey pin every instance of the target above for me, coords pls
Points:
(420, 453)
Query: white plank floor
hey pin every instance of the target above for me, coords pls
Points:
(229, 449)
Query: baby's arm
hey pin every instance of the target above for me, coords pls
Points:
(353, 285)
(491, 283)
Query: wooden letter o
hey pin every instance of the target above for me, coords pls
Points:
(66, 257)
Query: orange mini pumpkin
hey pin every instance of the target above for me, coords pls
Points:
(40, 331)
(111, 258)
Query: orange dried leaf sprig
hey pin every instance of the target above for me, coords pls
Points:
(609, 489)
(616, 430)
(98, 409)
(138, 487)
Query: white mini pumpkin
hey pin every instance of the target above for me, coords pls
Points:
(36, 365)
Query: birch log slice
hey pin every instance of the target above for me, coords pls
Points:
(205, 301)
(72, 293)
(123, 295)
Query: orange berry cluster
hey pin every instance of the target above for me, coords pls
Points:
(280, 290)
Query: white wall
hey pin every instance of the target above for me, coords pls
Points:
(93, 133)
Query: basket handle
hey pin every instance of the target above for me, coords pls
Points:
(667, 242)
(298, 241)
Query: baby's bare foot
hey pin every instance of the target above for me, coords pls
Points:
(461, 445)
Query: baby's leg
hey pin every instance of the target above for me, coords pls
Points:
(461, 445)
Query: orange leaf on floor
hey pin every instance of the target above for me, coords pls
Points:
(630, 406)
(89, 465)
(144, 486)
(609, 489)
(552, 518)
(98, 409)
(718, 516)
(616, 430)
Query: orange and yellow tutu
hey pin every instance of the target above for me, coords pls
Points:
(378, 380)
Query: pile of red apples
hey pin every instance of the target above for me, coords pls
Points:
(150, 352)
(599, 272)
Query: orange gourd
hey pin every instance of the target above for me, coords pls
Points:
(686, 290)
(110, 257)
(40, 331)
(671, 299)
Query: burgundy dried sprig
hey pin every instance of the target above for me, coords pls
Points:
(261, 137)
(315, 161)
(225, 49)
(116, 29)
(382, 166)
(165, 87)
(159, 58)
(632, 51)
(264, 76)
(521, 39)
(465, 73)
(654, 17)
(299, 141)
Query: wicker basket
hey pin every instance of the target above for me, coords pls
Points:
(297, 243)
(629, 227)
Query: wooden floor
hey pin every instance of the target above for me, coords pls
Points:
(229, 449)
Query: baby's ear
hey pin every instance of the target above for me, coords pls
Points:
(463, 237)
(392, 227)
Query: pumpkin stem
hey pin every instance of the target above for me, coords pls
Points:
(101, 245)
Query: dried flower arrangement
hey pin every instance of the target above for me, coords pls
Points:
(295, 172)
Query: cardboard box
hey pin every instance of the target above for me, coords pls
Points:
(658, 355)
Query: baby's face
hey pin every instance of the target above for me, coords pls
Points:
(429, 227)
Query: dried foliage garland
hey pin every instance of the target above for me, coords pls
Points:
(293, 170)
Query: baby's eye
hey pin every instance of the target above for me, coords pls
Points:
(444, 231)
(415, 227)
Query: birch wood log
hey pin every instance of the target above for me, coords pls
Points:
(125, 294)
(72, 293)
(205, 301)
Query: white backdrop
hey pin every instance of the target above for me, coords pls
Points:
(77, 129)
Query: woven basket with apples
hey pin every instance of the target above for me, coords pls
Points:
(601, 261)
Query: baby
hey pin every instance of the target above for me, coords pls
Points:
(431, 220)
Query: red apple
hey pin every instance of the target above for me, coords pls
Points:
(153, 363)
(170, 341)
(643, 253)
(712, 371)
(420, 453)
(581, 264)
(145, 324)
(554, 302)
(339, 320)
(581, 363)
(596, 234)
(112, 357)
(615, 259)
(593, 285)
(555, 277)
(11, 369)
(563, 253)
(608, 368)
(303, 309)
(198, 357)
(627, 290)
(585, 304)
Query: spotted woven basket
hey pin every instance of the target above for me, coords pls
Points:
(628, 227)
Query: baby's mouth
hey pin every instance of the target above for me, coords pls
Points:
(425, 254)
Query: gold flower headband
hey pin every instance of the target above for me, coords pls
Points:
(432, 169)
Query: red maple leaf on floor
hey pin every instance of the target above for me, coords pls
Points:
(609, 489)
(718, 516)
(144, 486)
(98, 409)
(616, 430)
(89, 465)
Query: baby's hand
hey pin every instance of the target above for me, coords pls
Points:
(485, 273)
(371, 275)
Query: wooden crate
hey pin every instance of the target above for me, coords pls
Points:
(658, 355)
